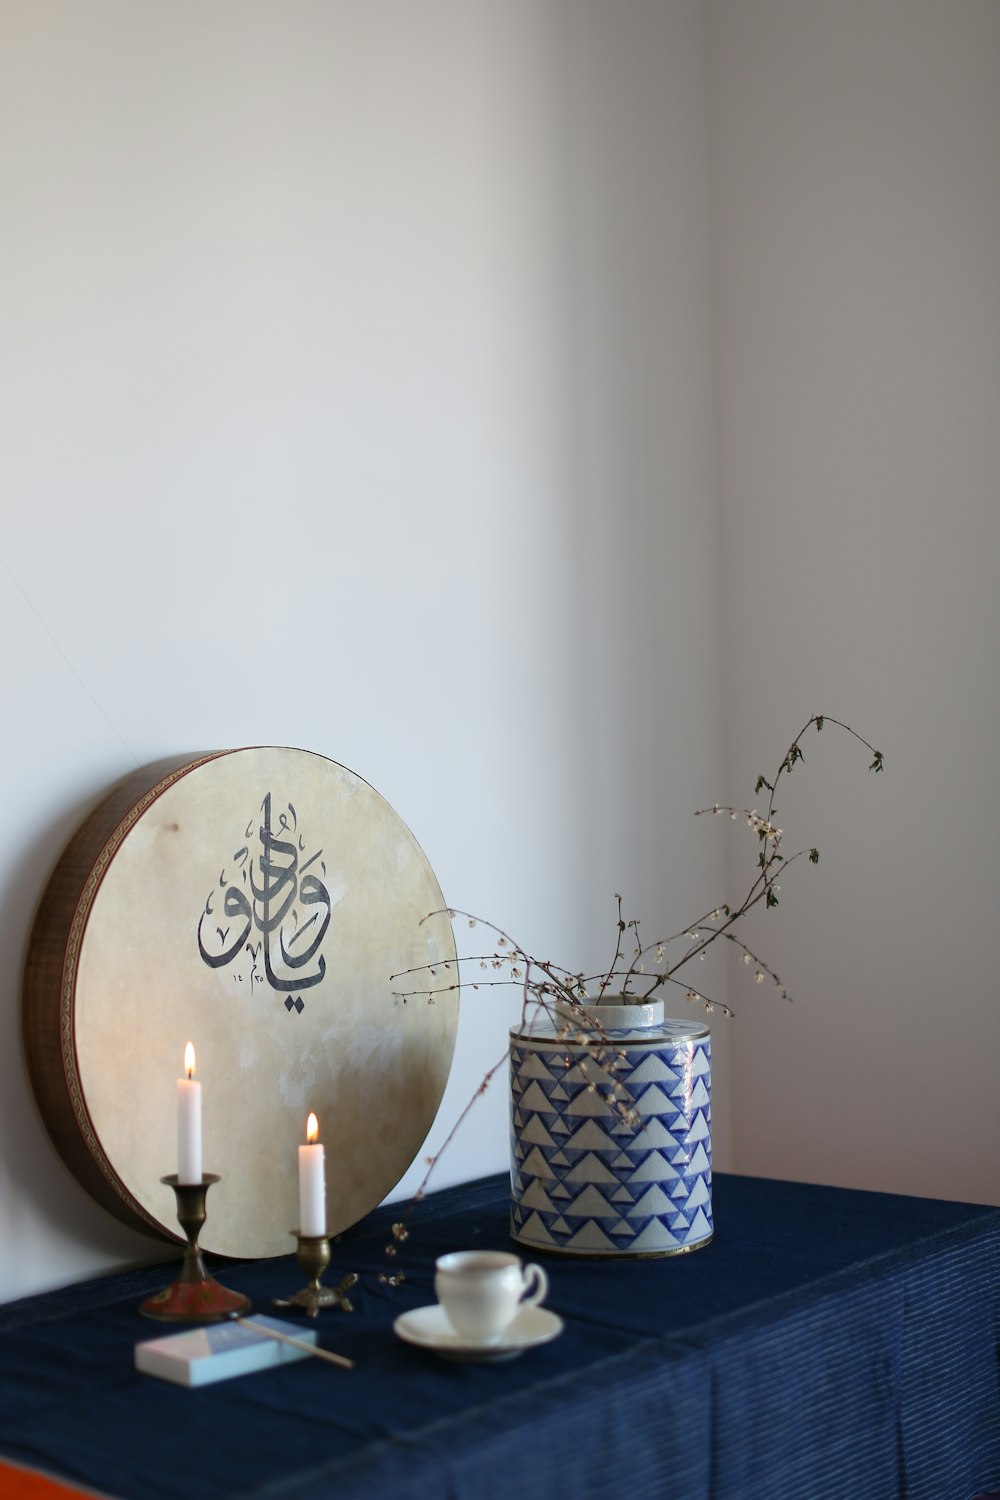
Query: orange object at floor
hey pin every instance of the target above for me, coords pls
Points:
(28, 1484)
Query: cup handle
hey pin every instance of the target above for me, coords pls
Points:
(534, 1273)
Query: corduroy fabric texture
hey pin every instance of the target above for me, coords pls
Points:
(828, 1344)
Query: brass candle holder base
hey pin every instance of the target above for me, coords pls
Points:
(195, 1297)
(313, 1255)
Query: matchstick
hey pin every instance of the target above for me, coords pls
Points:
(272, 1333)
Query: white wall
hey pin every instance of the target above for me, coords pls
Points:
(855, 149)
(357, 396)
(401, 316)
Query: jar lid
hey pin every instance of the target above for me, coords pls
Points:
(626, 1018)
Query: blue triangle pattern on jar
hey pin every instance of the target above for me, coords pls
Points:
(611, 1160)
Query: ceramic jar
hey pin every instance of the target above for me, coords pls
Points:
(610, 1130)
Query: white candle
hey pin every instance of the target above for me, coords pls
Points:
(188, 1122)
(312, 1183)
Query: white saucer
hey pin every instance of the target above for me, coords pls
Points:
(429, 1328)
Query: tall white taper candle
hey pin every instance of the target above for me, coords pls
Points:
(188, 1122)
(312, 1183)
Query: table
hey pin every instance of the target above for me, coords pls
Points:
(829, 1343)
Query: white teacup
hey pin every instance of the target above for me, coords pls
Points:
(482, 1290)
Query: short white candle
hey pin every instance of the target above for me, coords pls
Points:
(188, 1122)
(312, 1183)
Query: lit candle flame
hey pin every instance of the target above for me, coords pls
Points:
(312, 1130)
(189, 1060)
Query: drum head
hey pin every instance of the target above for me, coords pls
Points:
(255, 903)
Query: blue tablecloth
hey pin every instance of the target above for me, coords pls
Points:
(829, 1345)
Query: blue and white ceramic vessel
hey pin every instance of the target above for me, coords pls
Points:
(610, 1130)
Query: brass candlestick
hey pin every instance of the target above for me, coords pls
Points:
(195, 1297)
(313, 1255)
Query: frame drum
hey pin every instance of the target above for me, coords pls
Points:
(253, 902)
